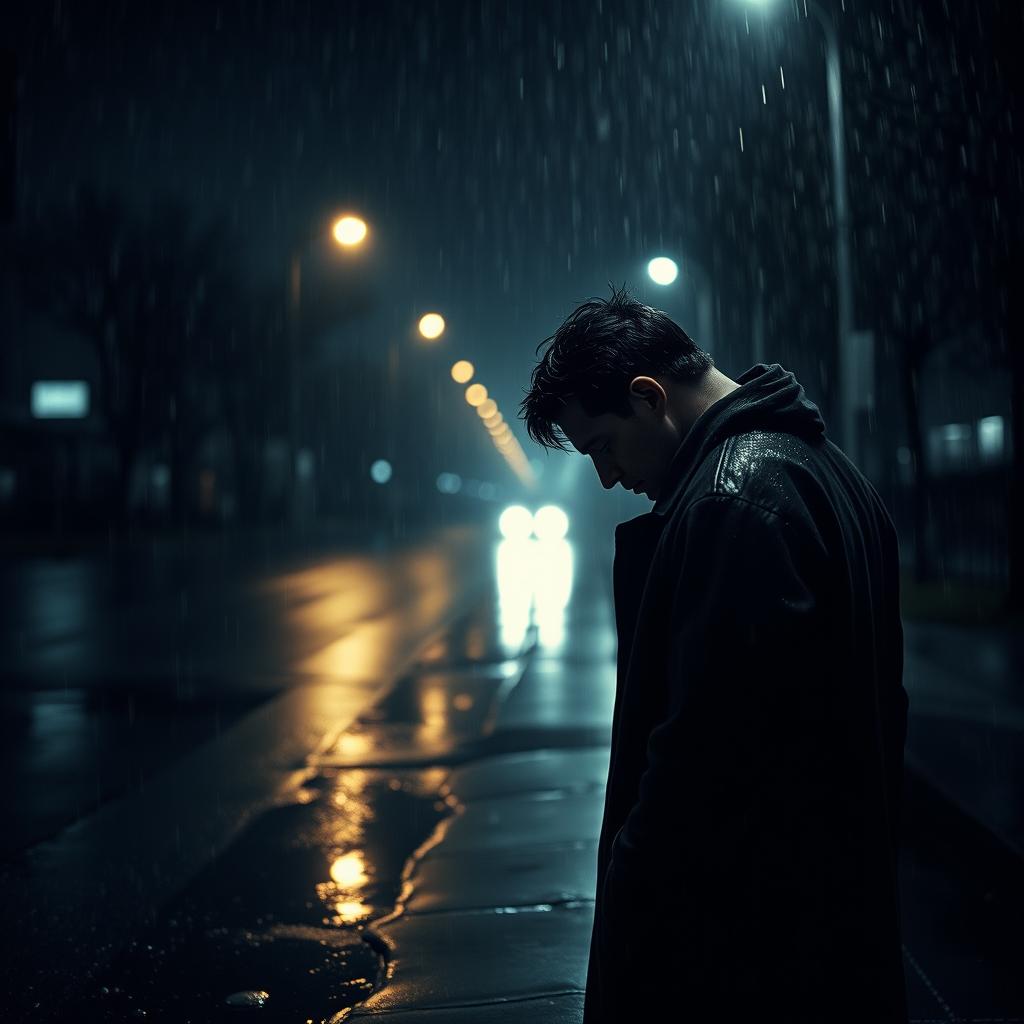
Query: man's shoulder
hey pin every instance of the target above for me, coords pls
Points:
(770, 471)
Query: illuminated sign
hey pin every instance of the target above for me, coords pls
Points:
(60, 399)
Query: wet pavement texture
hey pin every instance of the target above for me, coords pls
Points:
(287, 908)
(355, 618)
(117, 663)
(66, 752)
(966, 733)
(432, 856)
(963, 902)
(282, 910)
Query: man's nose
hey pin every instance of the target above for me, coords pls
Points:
(609, 477)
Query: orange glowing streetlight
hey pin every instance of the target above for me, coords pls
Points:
(349, 231)
(431, 326)
(462, 371)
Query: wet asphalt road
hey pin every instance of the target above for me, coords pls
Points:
(117, 663)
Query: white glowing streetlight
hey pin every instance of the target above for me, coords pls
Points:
(662, 270)
(550, 523)
(515, 523)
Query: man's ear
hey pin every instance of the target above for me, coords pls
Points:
(647, 390)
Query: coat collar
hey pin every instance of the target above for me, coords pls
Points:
(768, 398)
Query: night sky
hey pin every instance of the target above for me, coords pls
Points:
(512, 158)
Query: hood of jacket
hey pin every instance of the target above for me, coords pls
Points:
(768, 398)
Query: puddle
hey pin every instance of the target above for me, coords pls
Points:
(284, 910)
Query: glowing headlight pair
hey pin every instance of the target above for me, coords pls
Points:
(548, 523)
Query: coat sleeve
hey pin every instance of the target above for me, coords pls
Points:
(743, 602)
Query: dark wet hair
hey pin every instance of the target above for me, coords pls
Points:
(593, 356)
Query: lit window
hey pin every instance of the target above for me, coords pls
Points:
(60, 399)
(950, 446)
(991, 438)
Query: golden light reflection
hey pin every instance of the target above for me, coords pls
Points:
(349, 870)
(349, 874)
(462, 702)
(360, 616)
(434, 708)
(345, 815)
(476, 394)
(351, 911)
(487, 408)
(353, 745)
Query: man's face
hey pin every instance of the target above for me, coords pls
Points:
(632, 450)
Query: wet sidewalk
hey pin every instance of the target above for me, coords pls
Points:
(966, 733)
(496, 912)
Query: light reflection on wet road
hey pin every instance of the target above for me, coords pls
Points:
(315, 873)
(112, 668)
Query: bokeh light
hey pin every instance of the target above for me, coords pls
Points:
(662, 270)
(449, 483)
(515, 523)
(462, 371)
(550, 523)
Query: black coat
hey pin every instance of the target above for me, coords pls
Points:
(747, 862)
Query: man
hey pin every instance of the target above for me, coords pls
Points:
(747, 860)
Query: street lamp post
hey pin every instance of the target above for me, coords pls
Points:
(294, 312)
(348, 232)
(847, 367)
(841, 215)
